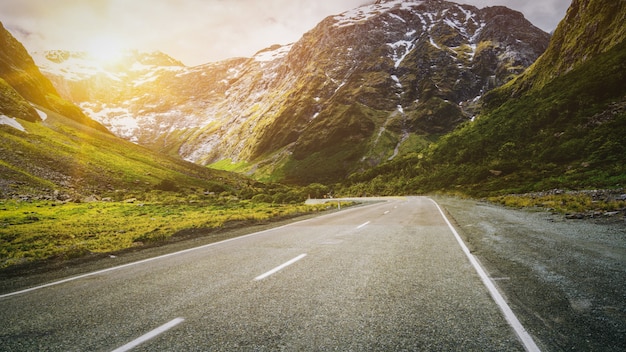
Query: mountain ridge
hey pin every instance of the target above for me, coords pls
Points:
(23, 84)
(360, 88)
(560, 125)
(50, 150)
(602, 32)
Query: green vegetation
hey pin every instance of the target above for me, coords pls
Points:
(14, 105)
(435, 116)
(229, 165)
(567, 134)
(74, 160)
(588, 29)
(38, 230)
(574, 202)
(84, 191)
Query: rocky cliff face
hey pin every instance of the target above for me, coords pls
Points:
(358, 89)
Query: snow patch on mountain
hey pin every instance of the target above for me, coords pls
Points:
(401, 49)
(11, 122)
(273, 53)
(364, 13)
(73, 66)
(42, 115)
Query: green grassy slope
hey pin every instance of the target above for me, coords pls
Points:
(71, 191)
(569, 133)
(60, 155)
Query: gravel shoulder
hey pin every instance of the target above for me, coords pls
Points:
(565, 279)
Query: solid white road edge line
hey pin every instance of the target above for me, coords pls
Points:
(280, 267)
(54, 283)
(62, 281)
(524, 336)
(150, 335)
(362, 225)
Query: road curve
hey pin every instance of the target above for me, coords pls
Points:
(383, 277)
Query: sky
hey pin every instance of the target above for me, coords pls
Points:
(196, 31)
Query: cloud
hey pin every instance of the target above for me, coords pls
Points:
(196, 31)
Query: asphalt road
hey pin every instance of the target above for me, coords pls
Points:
(385, 277)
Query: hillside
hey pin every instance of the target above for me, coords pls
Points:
(70, 189)
(21, 83)
(50, 150)
(603, 30)
(360, 88)
(559, 125)
(60, 159)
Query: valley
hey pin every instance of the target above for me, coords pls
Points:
(436, 97)
(359, 89)
(107, 165)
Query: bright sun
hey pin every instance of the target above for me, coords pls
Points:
(105, 49)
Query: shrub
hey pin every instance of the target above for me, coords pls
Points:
(167, 185)
(262, 198)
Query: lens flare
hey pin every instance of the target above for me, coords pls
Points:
(105, 50)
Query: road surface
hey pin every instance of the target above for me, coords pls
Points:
(383, 277)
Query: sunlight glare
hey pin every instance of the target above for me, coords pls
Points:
(105, 50)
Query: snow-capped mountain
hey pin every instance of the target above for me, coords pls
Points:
(358, 89)
(120, 94)
(24, 90)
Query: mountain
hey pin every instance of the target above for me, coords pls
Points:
(561, 124)
(360, 88)
(61, 159)
(50, 150)
(114, 93)
(21, 83)
(603, 30)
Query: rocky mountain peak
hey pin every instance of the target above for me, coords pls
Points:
(78, 65)
(155, 58)
(356, 90)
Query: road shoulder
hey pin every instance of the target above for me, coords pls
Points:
(563, 278)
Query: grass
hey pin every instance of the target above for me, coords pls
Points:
(564, 203)
(229, 165)
(77, 160)
(39, 230)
